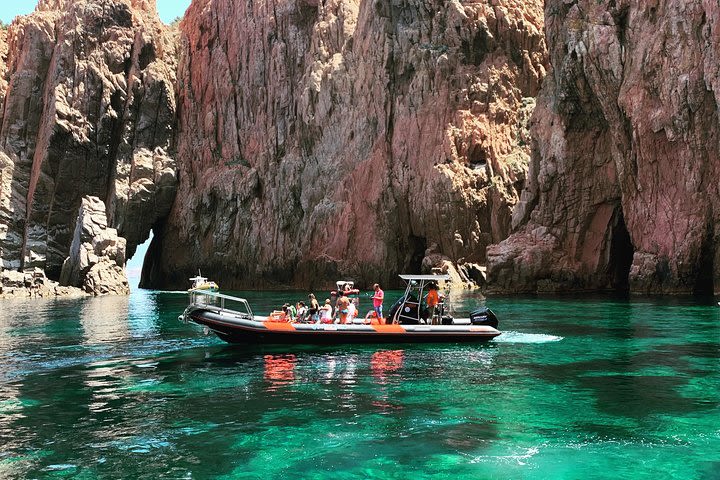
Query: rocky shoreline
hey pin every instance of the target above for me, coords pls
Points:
(95, 265)
(34, 284)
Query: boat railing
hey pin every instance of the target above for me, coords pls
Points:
(225, 303)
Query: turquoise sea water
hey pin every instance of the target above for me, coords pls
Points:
(575, 388)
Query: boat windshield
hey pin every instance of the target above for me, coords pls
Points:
(412, 307)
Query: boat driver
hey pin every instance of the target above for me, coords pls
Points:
(432, 299)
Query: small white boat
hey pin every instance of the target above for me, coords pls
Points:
(202, 283)
(346, 287)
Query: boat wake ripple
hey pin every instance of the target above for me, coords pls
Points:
(520, 337)
(169, 291)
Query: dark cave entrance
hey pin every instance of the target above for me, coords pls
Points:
(621, 254)
(704, 281)
(417, 247)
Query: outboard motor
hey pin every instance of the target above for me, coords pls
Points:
(483, 316)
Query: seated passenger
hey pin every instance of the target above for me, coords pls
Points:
(290, 312)
(301, 312)
(326, 312)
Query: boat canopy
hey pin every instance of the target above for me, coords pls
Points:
(425, 278)
(342, 283)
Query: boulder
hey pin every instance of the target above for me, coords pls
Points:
(97, 254)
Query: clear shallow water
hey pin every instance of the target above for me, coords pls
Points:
(575, 388)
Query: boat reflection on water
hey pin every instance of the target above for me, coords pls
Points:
(384, 363)
(385, 366)
(279, 370)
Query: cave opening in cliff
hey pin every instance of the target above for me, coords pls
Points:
(477, 157)
(134, 264)
(704, 281)
(417, 247)
(621, 254)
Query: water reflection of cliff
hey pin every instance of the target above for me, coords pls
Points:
(105, 319)
(117, 318)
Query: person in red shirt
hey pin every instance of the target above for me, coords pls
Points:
(432, 299)
(378, 300)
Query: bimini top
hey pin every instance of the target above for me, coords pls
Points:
(425, 277)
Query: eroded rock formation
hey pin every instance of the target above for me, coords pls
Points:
(622, 190)
(97, 255)
(345, 137)
(89, 109)
(33, 283)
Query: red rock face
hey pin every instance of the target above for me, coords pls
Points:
(346, 137)
(89, 109)
(623, 183)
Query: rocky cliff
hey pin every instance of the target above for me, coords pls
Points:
(346, 137)
(623, 184)
(88, 109)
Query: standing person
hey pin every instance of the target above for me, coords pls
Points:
(432, 299)
(342, 308)
(314, 308)
(378, 301)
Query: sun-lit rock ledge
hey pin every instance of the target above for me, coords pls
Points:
(34, 284)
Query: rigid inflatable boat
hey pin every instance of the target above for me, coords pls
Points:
(232, 320)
